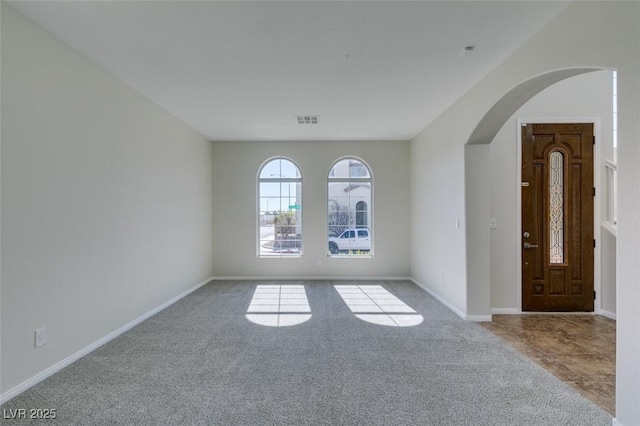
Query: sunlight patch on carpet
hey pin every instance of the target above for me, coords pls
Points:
(279, 305)
(374, 304)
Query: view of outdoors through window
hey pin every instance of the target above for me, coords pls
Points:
(280, 209)
(349, 208)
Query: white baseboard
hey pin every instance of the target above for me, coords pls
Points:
(311, 278)
(506, 311)
(476, 318)
(479, 318)
(11, 393)
(458, 312)
(615, 422)
(440, 299)
(607, 314)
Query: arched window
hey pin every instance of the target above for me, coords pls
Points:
(279, 209)
(349, 191)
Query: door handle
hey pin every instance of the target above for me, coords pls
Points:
(530, 246)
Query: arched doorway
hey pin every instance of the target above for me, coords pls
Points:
(477, 179)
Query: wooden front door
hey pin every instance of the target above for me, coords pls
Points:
(557, 217)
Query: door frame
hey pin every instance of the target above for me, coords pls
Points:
(597, 207)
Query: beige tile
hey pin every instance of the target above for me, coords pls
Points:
(596, 394)
(578, 349)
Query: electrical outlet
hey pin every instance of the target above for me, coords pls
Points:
(40, 336)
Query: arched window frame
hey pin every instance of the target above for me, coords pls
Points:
(355, 178)
(286, 240)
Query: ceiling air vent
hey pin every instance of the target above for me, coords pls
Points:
(307, 119)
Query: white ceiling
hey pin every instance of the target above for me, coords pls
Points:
(244, 70)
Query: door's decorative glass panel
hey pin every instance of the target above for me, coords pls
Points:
(556, 207)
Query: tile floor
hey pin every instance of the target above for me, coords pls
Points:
(578, 349)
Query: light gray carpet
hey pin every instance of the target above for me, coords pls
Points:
(201, 362)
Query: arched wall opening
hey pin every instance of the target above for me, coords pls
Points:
(478, 169)
(587, 36)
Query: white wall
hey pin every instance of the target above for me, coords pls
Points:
(438, 258)
(586, 35)
(236, 165)
(102, 217)
(584, 97)
(478, 263)
(106, 202)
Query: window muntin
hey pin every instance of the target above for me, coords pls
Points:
(279, 209)
(349, 191)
